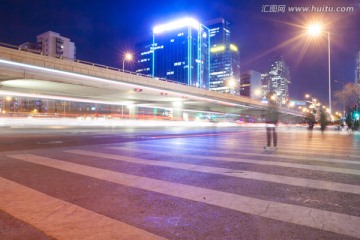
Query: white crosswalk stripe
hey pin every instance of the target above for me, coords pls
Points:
(331, 186)
(278, 156)
(275, 163)
(23, 202)
(57, 218)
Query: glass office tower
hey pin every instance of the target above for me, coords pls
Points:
(224, 58)
(277, 80)
(144, 57)
(181, 52)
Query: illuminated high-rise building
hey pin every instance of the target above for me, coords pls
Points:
(224, 58)
(180, 51)
(277, 80)
(357, 68)
(52, 44)
(143, 57)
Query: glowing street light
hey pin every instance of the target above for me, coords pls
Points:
(315, 30)
(231, 85)
(127, 57)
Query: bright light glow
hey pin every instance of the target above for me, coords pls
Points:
(257, 92)
(231, 83)
(233, 48)
(307, 95)
(177, 24)
(315, 29)
(128, 56)
(220, 48)
(177, 104)
(8, 98)
(80, 121)
(44, 96)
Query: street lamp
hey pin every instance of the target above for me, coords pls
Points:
(343, 84)
(315, 30)
(127, 57)
(314, 104)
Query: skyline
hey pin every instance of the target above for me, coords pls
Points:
(102, 32)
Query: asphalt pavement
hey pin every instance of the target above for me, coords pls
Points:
(178, 183)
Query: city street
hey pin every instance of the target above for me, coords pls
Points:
(178, 183)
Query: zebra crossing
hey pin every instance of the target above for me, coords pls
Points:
(311, 194)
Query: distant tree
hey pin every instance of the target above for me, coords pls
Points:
(348, 121)
(349, 95)
(356, 125)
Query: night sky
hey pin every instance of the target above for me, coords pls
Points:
(104, 30)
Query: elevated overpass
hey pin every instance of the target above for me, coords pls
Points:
(33, 75)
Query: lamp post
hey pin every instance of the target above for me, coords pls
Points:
(315, 30)
(127, 57)
(343, 84)
(314, 104)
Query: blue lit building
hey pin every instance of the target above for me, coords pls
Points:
(144, 54)
(180, 52)
(224, 58)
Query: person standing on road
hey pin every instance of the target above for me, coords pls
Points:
(271, 120)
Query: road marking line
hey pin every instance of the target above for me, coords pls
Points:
(251, 154)
(186, 135)
(302, 182)
(261, 162)
(291, 150)
(60, 219)
(310, 217)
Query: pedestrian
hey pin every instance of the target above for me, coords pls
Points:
(311, 125)
(271, 120)
(349, 124)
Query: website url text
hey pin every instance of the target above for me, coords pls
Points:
(313, 8)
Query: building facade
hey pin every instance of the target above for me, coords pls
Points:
(144, 55)
(52, 44)
(250, 84)
(180, 52)
(277, 81)
(224, 58)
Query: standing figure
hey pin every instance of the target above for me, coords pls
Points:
(271, 120)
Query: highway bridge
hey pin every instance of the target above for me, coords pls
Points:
(30, 74)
